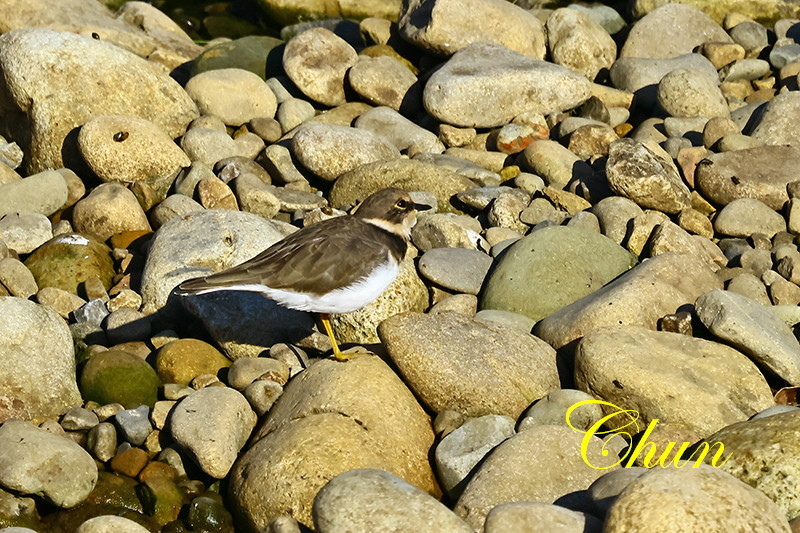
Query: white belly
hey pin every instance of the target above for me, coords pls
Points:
(342, 300)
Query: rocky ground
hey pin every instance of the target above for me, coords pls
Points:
(616, 210)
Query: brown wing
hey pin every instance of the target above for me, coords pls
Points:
(316, 259)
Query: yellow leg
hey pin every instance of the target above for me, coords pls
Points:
(326, 323)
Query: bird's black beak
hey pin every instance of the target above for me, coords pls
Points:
(422, 207)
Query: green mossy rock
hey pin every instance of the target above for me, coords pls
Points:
(182, 360)
(115, 376)
(66, 261)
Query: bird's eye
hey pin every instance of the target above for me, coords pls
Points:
(401, 204)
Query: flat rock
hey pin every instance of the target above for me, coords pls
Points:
(407, 174)
(446, 26)
(368, 499)
(754, 329)
(764, 456)
(456, 269)
(775, 125)
(404, 134)
(672, 30)
(55, 106)
(332, 417)
(110, 524)
(37, 362)
(531, 517)
(436, 356)
(637, 368)
(330, 151)
(38, 462)
(23, 233)
(316, 61)
(692, 499)
(743, 217)
(466, 446)
(43, 193)
(550, 269)
(537, 465)
(212, 425)
(482, 84)
(761, 173)
(130, 150)
(640, 297)
(636, 172)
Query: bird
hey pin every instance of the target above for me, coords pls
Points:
(336, 265)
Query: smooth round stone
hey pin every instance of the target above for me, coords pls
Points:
(212, 425)
(780, 56)
(552, 409)
(360, 415)
(745, 216)
(578, 42)
(463, 448)
(109, 209)
(606, 488)
(79, 419)
(407, 174)
(511, 473)
(753, 329)
(130, 149)
(744, 69)
(751, 35)
(456, 269)
(291, 113)
(43, 193)
(505, 318)
(208, 146)
(552, 268)
(382, 81)
(134, 424)
(234, 95)
(455, 93)
(175, 205)
(641, 75)
(115, 376)
(379, 501)
(760, 173)
(725, 387)
(23, 233)
(245, 371)
(672, 30)
(454, 24)
(404, 134)
(110, 524)
(530, 517)
(67, 261)
(466, 304)
(689, 93)
(776, 125)
(27, 459)
(16, 279)
(330, 151)
(133, 86)
(556, 164)
(692, 499)
(317, 61)
(182, 360)
(636, 172)
(436, 356)
(613, 213)
(248, 53)
(42, 385)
